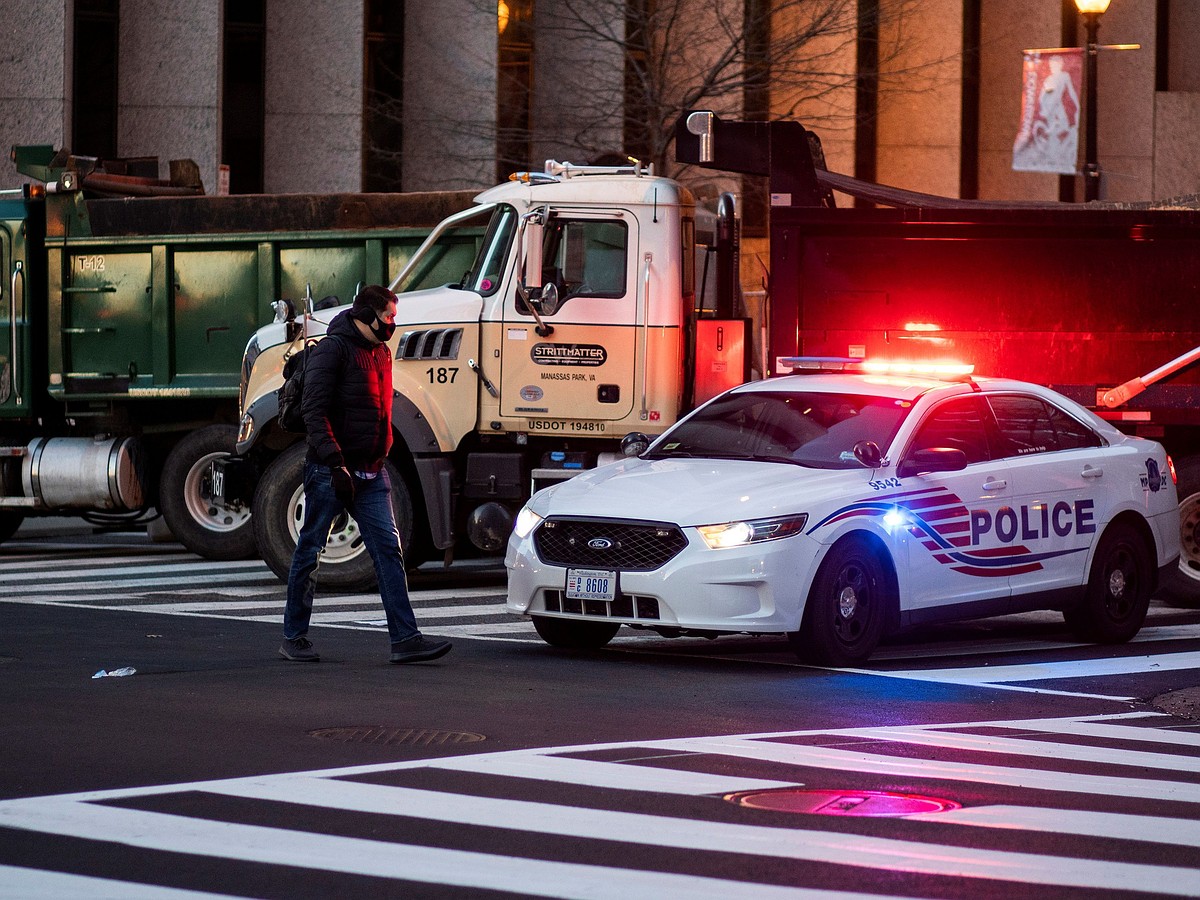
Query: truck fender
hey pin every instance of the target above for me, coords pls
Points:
(412, 426)
(262, 411)
(436, 473)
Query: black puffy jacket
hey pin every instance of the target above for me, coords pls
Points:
(348, 399)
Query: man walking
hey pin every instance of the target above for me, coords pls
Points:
(347, 407)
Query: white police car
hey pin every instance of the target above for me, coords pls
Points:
(835, 508)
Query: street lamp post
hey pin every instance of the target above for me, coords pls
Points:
(1091, 10)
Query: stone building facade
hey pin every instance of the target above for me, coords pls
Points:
(349, 95)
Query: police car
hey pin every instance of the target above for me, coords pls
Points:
(836, 507)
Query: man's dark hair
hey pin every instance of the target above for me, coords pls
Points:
(374, 297)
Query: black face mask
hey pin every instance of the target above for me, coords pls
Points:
(382, 330)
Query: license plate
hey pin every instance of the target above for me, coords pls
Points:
(591, 584)
(217, 483)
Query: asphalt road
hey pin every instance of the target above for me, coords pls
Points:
(509, 767)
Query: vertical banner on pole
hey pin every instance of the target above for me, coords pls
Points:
(1048, 139)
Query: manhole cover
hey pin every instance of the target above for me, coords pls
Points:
(841, 803)
(383, 734)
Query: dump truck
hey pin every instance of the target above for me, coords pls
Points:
(125, 306)
(580, 323)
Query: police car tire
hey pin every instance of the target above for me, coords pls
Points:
(572, 635)
(828, 638)
(1105, 616)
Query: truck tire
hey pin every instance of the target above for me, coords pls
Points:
(185, 499)
(1181, 586)
(345, 564)
(9, 523)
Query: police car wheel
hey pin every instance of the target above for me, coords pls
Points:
(572, 635)
(847, 607)
(1117, 593)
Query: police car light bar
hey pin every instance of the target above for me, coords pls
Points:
(806, 365)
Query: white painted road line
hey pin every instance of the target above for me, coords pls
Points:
(376, 858)
(593, 773)
(882, 764)
(1119, 826)
(662, 831)
(20, 883)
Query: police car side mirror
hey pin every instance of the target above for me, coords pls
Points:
(634, 444)
(868, 453)
(933, 459)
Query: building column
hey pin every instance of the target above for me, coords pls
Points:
(35, 71)
(313, 134)
(449, 94)
(169, 83)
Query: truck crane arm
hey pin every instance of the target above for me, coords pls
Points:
(1130, 389)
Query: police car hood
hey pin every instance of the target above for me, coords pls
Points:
(695, 491)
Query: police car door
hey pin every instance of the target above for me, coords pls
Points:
(1059, 482)
(956, 556)
(580, 376)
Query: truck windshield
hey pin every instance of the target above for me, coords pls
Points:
(488, 271)
(451, 258)
(816, 430)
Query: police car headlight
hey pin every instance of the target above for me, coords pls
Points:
(751, 531)
(527, 520)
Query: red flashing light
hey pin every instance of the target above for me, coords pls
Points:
(1171, 466)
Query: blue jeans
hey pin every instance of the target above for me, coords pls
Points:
(372, 510)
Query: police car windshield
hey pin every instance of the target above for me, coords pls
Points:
(817, 430)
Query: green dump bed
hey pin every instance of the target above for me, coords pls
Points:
(156, 297)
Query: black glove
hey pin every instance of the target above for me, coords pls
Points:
(343, 485)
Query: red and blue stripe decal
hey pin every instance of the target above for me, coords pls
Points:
(939, 519)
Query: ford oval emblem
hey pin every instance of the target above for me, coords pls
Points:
(600, 544)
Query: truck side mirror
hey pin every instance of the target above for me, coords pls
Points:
(541, 298)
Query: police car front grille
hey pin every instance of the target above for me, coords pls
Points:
(624, 606)
(631, 546)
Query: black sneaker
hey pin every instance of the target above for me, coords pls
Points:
(419, 649)
(298, 650)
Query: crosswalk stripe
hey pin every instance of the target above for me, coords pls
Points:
(1038, 749)
(88, 588)
(1119, 826)
(854, 761)
(785, 843)
(104, 561)
(1081, 668)
(593, 773)
(377, 858)
(38, 884)
(191, 570)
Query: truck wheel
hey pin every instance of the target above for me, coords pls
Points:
(847, 607)
(572, 635)
(185, 498)
(9, 523)
(1181, 586)
(279, 512)
(1117, 593)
